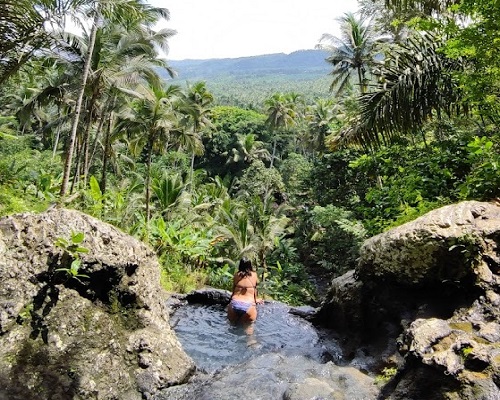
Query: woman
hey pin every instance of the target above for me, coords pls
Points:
(243, 305)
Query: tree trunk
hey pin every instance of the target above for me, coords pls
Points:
(361, 81)
(78, 109)
(148, 180)
(56, 142)
(274, 154)
(192, 170)
(86, 139)
(94, 143)
(105, 155)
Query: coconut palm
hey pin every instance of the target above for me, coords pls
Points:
(149, 125)
(132, 14)
(269, 222)
(320, 118)
(24, 30)
(415, 84)
(352, 52)
(281, 114)
(248, 149)
(196, 108)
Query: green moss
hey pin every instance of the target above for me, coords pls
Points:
(386, 375)
(125, 315)
(25, 314)
(466, 351)
(463, 326)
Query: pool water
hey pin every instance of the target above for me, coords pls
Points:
(213, 343)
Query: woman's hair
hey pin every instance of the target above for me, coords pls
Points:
(245, 267)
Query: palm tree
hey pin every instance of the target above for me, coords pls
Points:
(153, 117)
(269, 223)
(320, 118)
(24, 30)
(248, 149)
(234, 226)
(196, 108)
(135, 16)
(281, 114)
(415, 84)
(353, 52)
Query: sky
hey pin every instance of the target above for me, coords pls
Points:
(241, 28)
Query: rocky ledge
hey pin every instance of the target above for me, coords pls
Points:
(424, 301)
(82, 313)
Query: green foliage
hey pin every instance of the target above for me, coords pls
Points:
(185, 244)
(222, 138)
(142, 137)
(332, 180)
(220, 277)
(386, 375)
(466, 351)
(468, 247)
(477, 42)
(295, 169)
(73, 248)
(282, 284)
(483, 182)
(333, 238)
(250, 90)
(26, 313)
(175, 277)
(269, 181)
(28, 177)
(414, 180)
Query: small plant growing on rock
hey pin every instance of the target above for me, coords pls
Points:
(386, 375)
(469, 246)
(73, 249)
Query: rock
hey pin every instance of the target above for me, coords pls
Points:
(103, 335)
(306, 312)
(274, 376)
(209, 296)
(437, 247)
(342, 309)
(431, 286)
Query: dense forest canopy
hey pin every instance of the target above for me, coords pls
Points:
(406, 120)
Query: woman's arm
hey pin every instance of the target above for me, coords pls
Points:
(234, 285)
(257, 300)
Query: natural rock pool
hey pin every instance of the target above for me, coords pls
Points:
(213, 343)
(285, 358)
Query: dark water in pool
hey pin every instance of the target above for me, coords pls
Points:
(213, 343)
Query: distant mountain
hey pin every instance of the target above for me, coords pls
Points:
(302, 62)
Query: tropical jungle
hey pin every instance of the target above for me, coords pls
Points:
(406, 121)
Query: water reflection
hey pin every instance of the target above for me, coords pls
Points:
(208, 337)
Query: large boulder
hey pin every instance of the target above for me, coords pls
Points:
(98, 330)
(432, 288)
(441, 246)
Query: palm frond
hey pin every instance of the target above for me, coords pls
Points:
(415, 85)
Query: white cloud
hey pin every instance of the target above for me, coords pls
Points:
(236, 28)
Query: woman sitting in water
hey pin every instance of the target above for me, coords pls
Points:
(243, 305)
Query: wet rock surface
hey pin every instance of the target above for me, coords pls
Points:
(274, 376)
(102, 333)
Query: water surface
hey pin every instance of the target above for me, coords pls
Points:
(212, 342)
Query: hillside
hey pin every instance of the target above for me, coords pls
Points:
(299, 62)
(248, 81)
